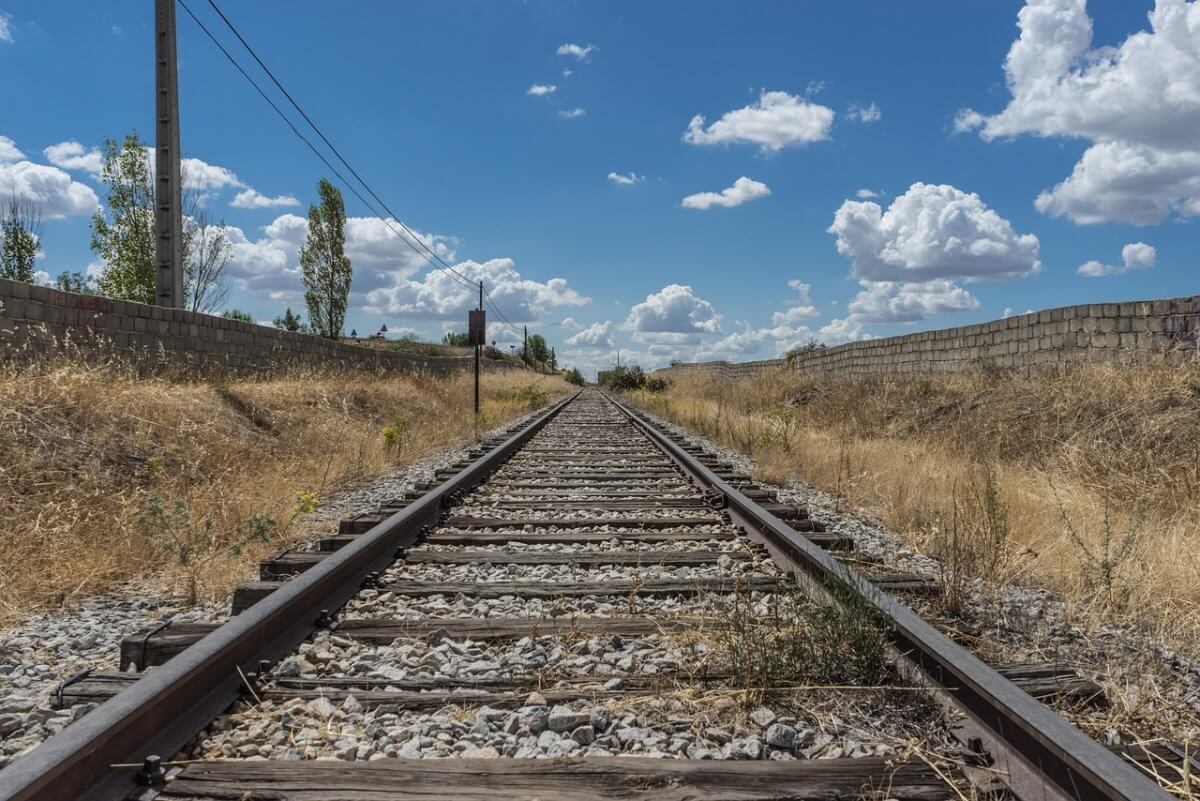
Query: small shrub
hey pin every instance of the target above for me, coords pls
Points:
(531, 396)
(657, 384)
(573, 376)
(395, 435)
(306, 502)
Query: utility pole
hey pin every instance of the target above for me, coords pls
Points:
(168, 214)
(525, 347)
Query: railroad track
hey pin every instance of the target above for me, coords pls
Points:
(573, 591)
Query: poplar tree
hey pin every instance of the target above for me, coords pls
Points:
(20, 227)
(326, 269)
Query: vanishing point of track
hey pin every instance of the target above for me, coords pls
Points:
(587, 483)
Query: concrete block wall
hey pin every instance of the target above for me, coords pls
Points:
(36, 322)
(1097, 332)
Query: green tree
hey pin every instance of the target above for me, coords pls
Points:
(237, 314)
(573, 376)
(207, 254)
(455, 339)
(326, 269)
(20, 230)
(125, 243)
(73, 282)
(539, 351)
(289, 321)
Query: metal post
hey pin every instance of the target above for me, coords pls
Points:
(168, 214)
(477, 347)
(525, 347)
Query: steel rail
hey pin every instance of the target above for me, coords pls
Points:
(1033, 751)
(162, 711)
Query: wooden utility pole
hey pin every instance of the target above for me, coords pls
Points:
(168, 214)
(525, 347)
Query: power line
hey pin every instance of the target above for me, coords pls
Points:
(349, 186)
(325, 139)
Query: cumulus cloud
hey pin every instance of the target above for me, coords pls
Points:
(571, 113)
(1137, 102)
(1133, 183)
(899, 302)
(571, 324)
(743, 191)
(200, 175)
(51, 189)
(597, 335)
(867, 113)
(841, 331)
(253, 199)
(9, 150)
(578, 51)
(675, 313)
(932, 231)
(1134, 256)
(271, 263)
(626, 180)
(803, 308)
(71, 155)
(866, 194)
(437, 295)
(776, 121)
(539, 89)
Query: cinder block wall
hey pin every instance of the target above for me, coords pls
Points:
(36, 322)
(1096, 332)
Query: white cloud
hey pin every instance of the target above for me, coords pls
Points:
(1137, 102)
(539, 89)
(253, 199)
(931, 232)
(674, 310)
(900, 302)
(571, 113)
(571, 324)
(743, 191)
(776, 121)
(202, 176)
(626, 180)
(865, 114)
(439, 296)
(866, 194)
(1117, 181)
(567, 73)
(578, 51)
(1134, 256)
(71, 155)
(597, 335)
(271, 263)
(803, 309)
(814, 88)
(967, 120)
(55, 194)
(5, 27)
(841, 331)
(9, 150)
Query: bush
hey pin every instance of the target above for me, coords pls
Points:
(657, 384)
(625, 378)
(573, 376)
(237, 314)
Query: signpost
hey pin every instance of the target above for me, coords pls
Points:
(477, 336)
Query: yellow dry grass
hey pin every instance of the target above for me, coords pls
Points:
(1086, 481)
(106, 477)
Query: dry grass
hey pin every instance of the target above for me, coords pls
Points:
(105, 477)
(1086, 481)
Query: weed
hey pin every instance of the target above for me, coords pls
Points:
(1104, 559)
(306, 502)
(788, 639)
(395, 435)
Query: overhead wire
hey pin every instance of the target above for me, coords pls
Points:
(432, 254)
(408, 240)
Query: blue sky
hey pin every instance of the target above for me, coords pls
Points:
(861, 169)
